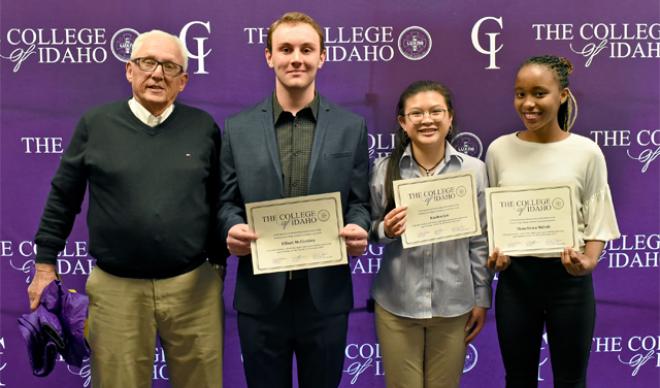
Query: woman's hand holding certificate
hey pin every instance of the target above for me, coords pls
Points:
(438, 208)
(531, 220)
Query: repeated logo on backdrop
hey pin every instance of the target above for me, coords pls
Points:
(544, 358)
(160, 366)
(598, 40)
(3, 364)
(73, 260)
(468, 143)
(632, 252)
(55, 45)
(381, 144)
(637, 352)
(366, 359)
(363, 359)
(471, 358)
(642, 145)
(490, 27)
(91, 45)
(85, 372)
(122, 42)
(364, 43)
(414, 43)
(626, 351)
(593, 40)
(369, 262)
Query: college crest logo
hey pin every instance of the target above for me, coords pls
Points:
(414, 43)
(122, 42)
(469, 144)
(471, 358)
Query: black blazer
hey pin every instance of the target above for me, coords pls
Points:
(250, 171)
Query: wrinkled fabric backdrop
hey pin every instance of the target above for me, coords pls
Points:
(61, 58)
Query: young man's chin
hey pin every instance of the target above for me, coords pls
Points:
(297, 83)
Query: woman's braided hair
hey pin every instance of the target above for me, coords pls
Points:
(562, 68)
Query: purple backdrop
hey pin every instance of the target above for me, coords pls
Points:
(61, 58)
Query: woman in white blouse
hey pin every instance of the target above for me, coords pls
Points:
(555, 290)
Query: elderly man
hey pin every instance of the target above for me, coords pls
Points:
(152, 168)
(294, 143)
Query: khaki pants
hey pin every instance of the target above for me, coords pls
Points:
(125, 315)
(421, 353)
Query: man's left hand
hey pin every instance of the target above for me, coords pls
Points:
(356, 239)
(44, 274)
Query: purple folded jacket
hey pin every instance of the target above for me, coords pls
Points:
(43, 344)
(72, 317)
(56, 326)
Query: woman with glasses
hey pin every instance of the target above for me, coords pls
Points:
(431, 300)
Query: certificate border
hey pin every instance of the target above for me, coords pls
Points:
(472, 179)
(334, 197)
(527, 251)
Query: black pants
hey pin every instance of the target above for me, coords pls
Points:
(269, 341)
(533, 292)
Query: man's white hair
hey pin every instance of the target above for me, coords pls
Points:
(140, 40)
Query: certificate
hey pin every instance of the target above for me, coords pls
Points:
(297, 233)
(440, 208)
(528, 220)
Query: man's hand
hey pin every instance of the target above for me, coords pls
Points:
(239, 238)
(356, 239)
(44, 274)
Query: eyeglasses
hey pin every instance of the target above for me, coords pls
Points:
(435, 115)
(150, 64)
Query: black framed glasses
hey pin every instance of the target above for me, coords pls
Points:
(149, 65)
(416, 117)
